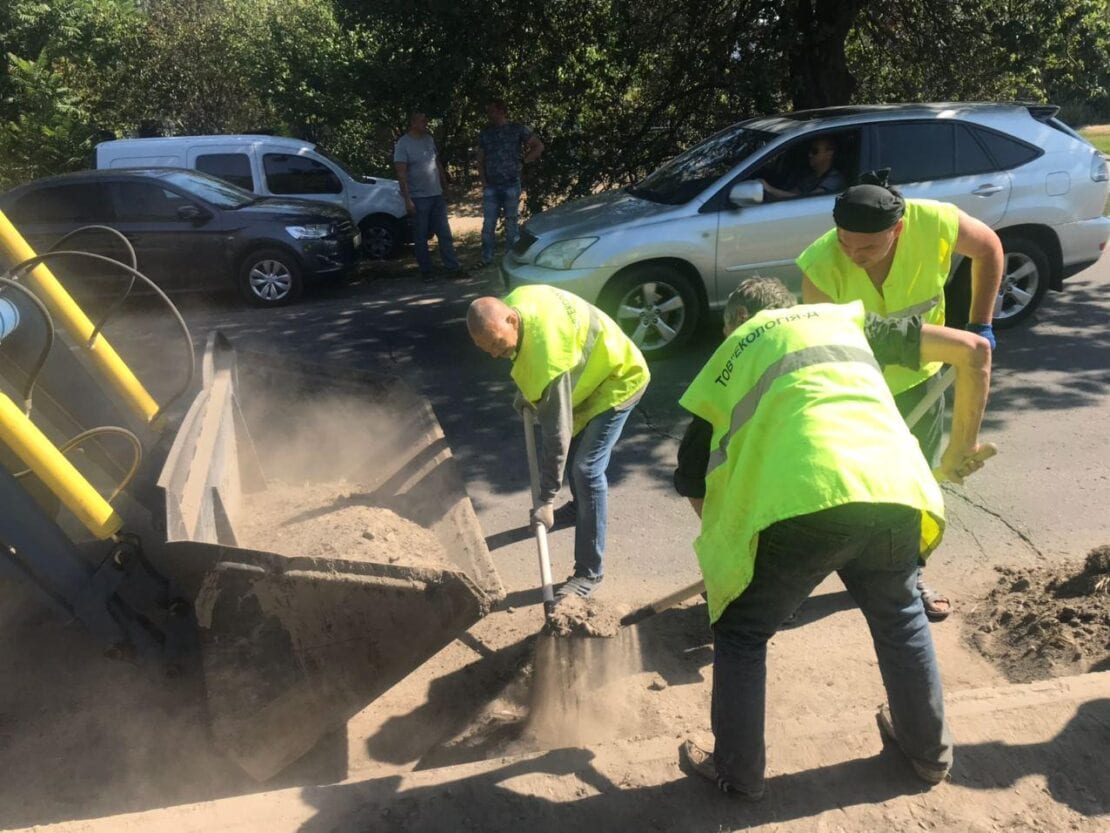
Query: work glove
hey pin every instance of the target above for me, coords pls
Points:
(544, 514)
(984, 330)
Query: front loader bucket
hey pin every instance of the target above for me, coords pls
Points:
(294, 644)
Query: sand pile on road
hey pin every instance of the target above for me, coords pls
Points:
(1041, 622)
(575, 616)
(332, 520)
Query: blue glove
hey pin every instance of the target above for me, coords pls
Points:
(984, 330)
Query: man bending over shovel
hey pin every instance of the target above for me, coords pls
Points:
(582, 375)
(811, 470)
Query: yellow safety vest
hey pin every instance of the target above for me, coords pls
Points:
(915, 285)
(802, 421)
(564, 334)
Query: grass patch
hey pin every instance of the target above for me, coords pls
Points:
(1099, 136)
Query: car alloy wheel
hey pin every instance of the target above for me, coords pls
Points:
(377, 242)
(1021, 279)
(653, 314)
(270, 280)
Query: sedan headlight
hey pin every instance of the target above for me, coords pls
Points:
(562, 255)
(311, 231)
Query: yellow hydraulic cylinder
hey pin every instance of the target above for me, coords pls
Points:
(62, 306)
(56, 472)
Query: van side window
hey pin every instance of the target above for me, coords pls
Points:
(230, 167)
(79, 203)
(289, 174)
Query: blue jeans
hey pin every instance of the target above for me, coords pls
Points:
(497, 199)
(874, 550)
(431, 214)
(587, 461)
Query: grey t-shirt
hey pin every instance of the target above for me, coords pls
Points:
(420, 156)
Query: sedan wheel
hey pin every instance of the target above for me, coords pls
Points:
(653, 314)
(270, 280)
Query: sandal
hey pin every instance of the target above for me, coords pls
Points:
(937, 607)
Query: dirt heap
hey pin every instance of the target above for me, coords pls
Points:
(575, 616)
(332, 520)
(1044, 622)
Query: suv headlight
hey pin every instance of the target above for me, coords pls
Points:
(311, 231)
(1098, 168)
(562, 255)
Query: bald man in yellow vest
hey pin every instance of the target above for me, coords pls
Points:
(583, 376)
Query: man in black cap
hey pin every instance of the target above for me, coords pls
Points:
(895, 255)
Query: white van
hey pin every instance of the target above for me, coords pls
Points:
(277, 166)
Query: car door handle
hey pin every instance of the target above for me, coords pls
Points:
(987, 190)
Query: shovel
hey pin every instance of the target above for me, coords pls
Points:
(986, 451)
(538, 529)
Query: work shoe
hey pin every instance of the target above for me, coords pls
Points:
(700, 761)
(567, 514)
(583, 586)
(929, 773)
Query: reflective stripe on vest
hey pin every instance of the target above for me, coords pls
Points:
(917, 309)
(592, 335)
(790, 363)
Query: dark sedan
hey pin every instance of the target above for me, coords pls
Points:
(190, 231)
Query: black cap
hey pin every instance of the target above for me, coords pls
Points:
(871, 206)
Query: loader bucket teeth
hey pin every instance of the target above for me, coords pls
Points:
(293, 645)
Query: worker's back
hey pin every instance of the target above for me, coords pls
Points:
(802, 421)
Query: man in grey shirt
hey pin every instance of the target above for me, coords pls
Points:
(423, 181)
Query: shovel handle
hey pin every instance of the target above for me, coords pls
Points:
(538, 529)
(665, 603)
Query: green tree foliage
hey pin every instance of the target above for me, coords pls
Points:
(613, 86)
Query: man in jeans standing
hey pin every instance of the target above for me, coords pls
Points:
(423, 182)
(810, 469)
(499, 159)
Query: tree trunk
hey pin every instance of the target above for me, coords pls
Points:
(819, 75)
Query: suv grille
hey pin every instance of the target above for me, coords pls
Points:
(523, 243)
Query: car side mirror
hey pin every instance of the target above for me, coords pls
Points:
(191, 213)
(746, 193)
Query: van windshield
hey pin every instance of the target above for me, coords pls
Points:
(688, 174)
(338, 164)
(210, 189)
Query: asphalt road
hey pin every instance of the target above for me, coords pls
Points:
(1043, 497)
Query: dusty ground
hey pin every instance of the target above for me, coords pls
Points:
(1041, 622)
(331, 520)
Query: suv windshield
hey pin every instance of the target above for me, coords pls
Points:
(339, 164)
(208, 188)
(687, 175)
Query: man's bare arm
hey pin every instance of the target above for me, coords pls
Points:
(533, 148)
(442, 176)
(402, 169)
(977, 240)
(811, 294)
(481, 166)
(970, 356)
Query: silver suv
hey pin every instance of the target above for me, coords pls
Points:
(659, 254)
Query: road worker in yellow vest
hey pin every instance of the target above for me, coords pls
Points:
(810, 469)
(895, 255)
(583, 376)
